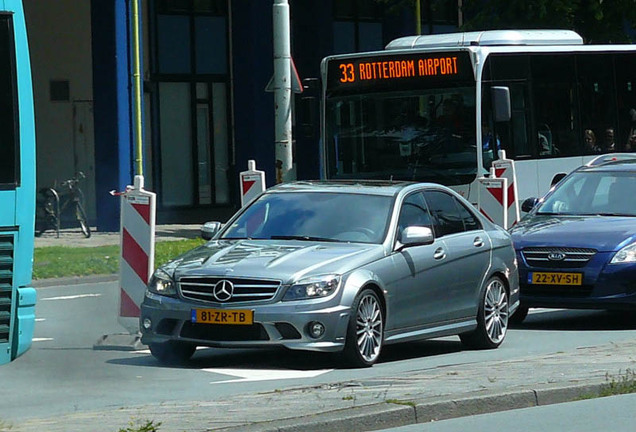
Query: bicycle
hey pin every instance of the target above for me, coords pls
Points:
(51, 204)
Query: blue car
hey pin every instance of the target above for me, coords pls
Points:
(576, 248)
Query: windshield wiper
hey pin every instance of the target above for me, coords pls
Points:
(613, 214)
(303, 238)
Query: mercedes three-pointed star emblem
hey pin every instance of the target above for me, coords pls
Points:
(223, 290)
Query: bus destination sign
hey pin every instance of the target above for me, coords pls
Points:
(389, 70)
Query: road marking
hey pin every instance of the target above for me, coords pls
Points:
(40, 319)
(246, 375)
(72, 297)
(42, 339)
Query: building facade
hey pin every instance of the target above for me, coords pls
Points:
(206, 111)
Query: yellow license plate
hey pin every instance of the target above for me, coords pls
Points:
(547, 278)
(223, 316)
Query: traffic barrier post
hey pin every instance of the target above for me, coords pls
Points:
(505, 168)
(492, 198)
(252, 183)
(138, 213)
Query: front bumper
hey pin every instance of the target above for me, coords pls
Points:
(275, 324)
(605, 286)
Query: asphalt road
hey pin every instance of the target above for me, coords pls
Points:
(62, 374)
(614, 414)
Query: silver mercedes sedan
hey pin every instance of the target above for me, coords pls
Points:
(342, 267)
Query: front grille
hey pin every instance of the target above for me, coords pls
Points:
(245, 290)
(224, 333)
(573, 257)
(6, 286)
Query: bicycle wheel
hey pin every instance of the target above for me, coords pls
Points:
(83, 220)
(46, 213)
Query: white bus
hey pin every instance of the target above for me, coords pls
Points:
(438, 107)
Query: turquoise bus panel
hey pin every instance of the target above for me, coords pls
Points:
(17, 185)
(25, 323)
(7, 297)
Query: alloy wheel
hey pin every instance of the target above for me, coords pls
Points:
(496, 311)
(369, 328)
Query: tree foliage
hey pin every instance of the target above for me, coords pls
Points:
(597, 21)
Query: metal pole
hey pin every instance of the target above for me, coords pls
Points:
(139, 167)
(418, 17)
(282, 92)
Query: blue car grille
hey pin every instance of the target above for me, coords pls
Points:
(557, 257)
(244, 290)
(6, 286)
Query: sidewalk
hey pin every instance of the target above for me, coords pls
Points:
(417, 397)
(73, 237)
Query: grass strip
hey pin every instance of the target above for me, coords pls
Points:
(63, 261)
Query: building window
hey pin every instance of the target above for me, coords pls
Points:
(191, 70)
(357, 26)
(439, 16)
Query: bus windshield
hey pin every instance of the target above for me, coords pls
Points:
(421, 135)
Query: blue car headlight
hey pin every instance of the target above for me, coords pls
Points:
(312, 287)
(162, 283)
(625, 255)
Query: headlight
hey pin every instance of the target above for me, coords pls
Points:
(625, 255)
(313, 287)
(162, 283)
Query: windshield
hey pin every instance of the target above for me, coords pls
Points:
(423, 135)
(593, 193)
(315, 216)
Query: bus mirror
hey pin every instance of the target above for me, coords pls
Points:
(501, 104)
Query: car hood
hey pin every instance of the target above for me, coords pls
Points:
(273, 259)
(604, 233)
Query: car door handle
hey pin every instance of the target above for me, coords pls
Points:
(478, 242)
(439, 254)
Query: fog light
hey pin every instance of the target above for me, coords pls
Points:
(147, 323)
(316, 329)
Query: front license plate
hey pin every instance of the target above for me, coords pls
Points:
(545, 278)
(223, 316)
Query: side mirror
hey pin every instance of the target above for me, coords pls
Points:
(209, 229)
(529, 204)
(417, 235)
(501, 104)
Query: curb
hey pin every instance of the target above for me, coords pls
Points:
(74, 280)
(403, 413)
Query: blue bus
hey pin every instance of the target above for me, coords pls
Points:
(17, 185)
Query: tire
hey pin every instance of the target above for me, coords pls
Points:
(520, 314)
(365, 332)
(492, 317)
(83, 220)
(172, 352)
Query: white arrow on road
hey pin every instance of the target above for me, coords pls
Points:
(245, 375)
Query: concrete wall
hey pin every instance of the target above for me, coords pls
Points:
(60, 46)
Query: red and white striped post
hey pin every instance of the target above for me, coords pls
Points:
(137, 259)
(252, 183)
(505, 168)
(492, 198)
